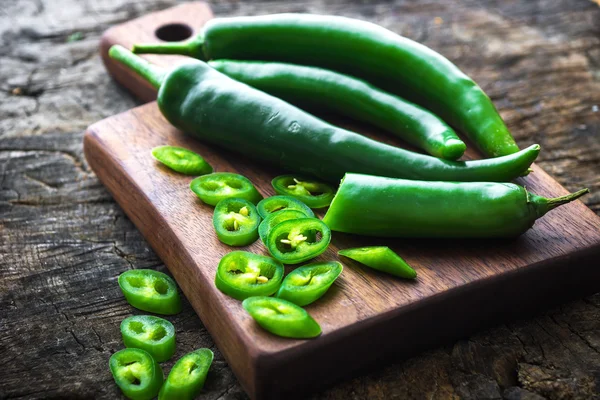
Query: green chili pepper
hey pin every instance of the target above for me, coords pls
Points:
(150, 333)
(215, 187)
(151, 291)
(376, 206)
(308, 283)
(385, 59)
(275, 204)
(201, 101)
(241, 274)
(329, 91)
(381, 258)
(236, 222)
(312, 193)
(182, 160)
(136, 373)
(298, 240)
(274, 219)
(187, 377)
(281, 317)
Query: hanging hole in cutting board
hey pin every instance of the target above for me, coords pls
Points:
(173, 32)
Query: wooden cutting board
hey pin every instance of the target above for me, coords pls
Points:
(368, 318)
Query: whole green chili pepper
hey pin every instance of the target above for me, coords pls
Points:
(215, 187)
(312, 193)
(276, 218)
(241, 274)
(182, 160)
(151, 291)
(282, 317)
(328, 91)
(236, 222)
(150, 333)
(298, 240)
(361, 49)
(137, 374)
(309, 283)
(275, 204)
(187, 377)
(200, 100)
(381, 258)
(377, 206)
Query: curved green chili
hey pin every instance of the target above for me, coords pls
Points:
(377, 206)
(201, 101)
(309, 283)
(217, 186)
(312, 193)
(361, 49)
(298, 240)
(150, 333)
(275, 204)
(187, 377)
(236, 222)
(137, 374)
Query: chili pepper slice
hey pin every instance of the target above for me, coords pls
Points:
(182, 160)
(312, 193)
(298, 240)
(217, 186)
(150, 291)
(281, 317)
(137, 374)
(150, 333)
(187, 377)
(381, 258)
(241, 274)
(275, 204)
(236, 222)
(274, 219)
(308, 283)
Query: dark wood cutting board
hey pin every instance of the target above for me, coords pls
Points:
(368, 318)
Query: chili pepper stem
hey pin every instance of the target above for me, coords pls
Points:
(189, 48)
(559, 201)
(152, 73)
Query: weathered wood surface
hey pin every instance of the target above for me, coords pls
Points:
(63, 240)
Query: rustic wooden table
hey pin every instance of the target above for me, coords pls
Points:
(64, 241)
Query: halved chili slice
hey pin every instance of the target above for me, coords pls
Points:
(298, 240)
(381, 258)
(187, 377)
(137, 374)
(308, 283)
(217, 186)
(150, 333)
(273, 219)
(236, 222)
(151, 291)
(311, 192)
(282, 317)
(241, 274)
(182, 160)
(276, 204)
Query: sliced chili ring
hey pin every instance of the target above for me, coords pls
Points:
(381, 258)
(150, 333)
(217, 186)
(241, 274)
(151, 291)
(308, 283)
(182, 160)
(313, 193)
(274, 219)
(298, 240)
(281, 317)
(187, 377)
(236, 222)
(276, 204)
(136, 373)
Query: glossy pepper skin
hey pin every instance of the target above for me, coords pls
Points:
(377, 206)
(298, 240)
(275, 204)
(150, 333)
(212, 188)
(137, 374)
(275, 219)
(317, 88)
(201, 101)
(182, 160)
(236, 222)
(187, 377)
(151, 291)
(381, 258)
(362, 49)
(309, 283)
(313, 193)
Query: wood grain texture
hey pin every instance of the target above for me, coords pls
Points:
(64, 240)
(367, 317)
